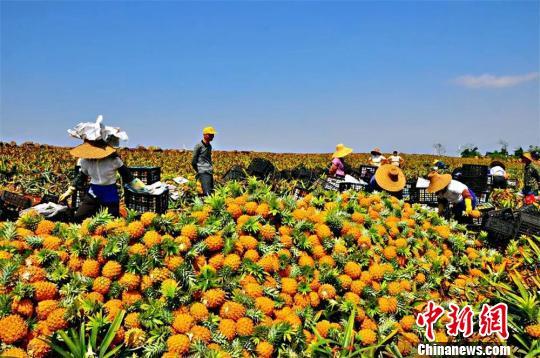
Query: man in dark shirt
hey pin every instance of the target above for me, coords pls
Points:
(202, 161)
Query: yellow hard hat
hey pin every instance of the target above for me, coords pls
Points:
(209, 130)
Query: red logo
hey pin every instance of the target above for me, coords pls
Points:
(491, 320)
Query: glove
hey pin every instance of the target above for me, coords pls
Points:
(67, 194)
(468, 206)
(137, 185)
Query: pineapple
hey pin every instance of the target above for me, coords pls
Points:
(190, 231)
(264, 349)
(14, 328)
(183, 323)
(37, 348)
(134, 338)
(44, 290)
(227, 327)
(232, 310)
(112, 269)
(178, 343)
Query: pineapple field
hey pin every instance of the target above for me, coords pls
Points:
(252, 270)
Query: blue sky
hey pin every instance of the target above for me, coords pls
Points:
(274, 76)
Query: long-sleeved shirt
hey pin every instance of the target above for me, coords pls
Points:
(102, 171)
(202, 158)
(531, 178)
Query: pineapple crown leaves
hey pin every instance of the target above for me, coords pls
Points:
(132, 215)
(101, 218)
(58, 272)
(34, 241)
(243, 299)
(250, 268)
(22, 290)
(47, 257)
(138, 264)
(5, 305)
(252, 225)
(8, 271)
(8, 231)
(154, 315)
(186, 276)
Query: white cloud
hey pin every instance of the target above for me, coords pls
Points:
(492, 81)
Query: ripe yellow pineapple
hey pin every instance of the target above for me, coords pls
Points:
(190, 231)
(135, 229)
(134, 338)
(232, 310)
(198, 311)
(132, 320)
(37, 348)
(244, 326)
(264, 349)
(327, 292)
(200, 333)
(151, 238)
(45, 307)
(90, 268)
(213, 297)
(268, 232)
(367, 336)
(214, 242)
(178, 343)
(233, 261)
(14, 328)
(147, 218)
(227, 327)
(112, 269)
(130, 280)
(388, 304)
(14, 352)
(44, 290)
(56, 320)
(23, 307)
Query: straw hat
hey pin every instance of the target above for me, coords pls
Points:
(209, 130)
(390, 178)
(529, 156)
(92, 150)
(497, 163)
(377, 150)
(341, 151)
(438, 182)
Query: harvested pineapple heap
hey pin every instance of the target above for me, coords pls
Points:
(243, 273)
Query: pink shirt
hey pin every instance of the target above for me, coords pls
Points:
(339, 165)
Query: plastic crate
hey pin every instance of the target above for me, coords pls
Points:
(144, 202)
(528, 223)
(421, 196)
(478, 184)
(500, 226)
(12, 204)
(148, 175)
(299, 192)
(261, 168)
(49, 198)
(328, 183)
(365, 172)
(77, 196)
(237, 172)
(482, 197)
(484, 210)
(474, 170)
(407, 190)
(351, 186)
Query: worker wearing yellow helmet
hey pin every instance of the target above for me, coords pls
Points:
(202, 160)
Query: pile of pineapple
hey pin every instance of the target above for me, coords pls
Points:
(242, 273)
